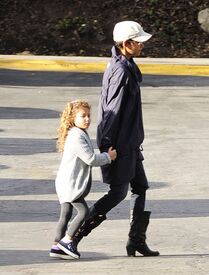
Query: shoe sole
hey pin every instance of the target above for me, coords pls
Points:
(65, 257)
(75, 256)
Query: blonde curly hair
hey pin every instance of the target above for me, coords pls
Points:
(67, 120)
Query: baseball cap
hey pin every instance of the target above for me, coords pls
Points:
(126, 30)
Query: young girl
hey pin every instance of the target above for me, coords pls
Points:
(73, 181)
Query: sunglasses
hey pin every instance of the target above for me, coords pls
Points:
(139, 43)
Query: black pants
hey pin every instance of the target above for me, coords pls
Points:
(119, 190)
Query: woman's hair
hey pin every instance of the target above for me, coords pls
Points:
(67, 120)
(119, 45)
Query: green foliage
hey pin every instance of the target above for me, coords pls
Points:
(154, 2)
(63, 24)
(66, 24)
(70, 27)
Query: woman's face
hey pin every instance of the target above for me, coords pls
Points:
(82, 118)
(131, 48)
(135, 48)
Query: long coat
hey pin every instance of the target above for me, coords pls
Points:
(120, 121)
(75, 169)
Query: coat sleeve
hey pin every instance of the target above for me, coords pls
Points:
(87, 154)
(112, 94)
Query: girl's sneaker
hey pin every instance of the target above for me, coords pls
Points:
(58, 253)
(69, 248)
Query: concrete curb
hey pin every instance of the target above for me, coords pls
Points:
(164, 66)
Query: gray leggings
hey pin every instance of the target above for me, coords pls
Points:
(65, 215)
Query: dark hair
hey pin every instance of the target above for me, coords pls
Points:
(119, 45)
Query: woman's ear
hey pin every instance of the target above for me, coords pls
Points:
(127, 43)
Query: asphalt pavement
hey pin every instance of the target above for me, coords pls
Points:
(176, 119)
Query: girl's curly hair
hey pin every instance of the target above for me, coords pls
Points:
(67, 120)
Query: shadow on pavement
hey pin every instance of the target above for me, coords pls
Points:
(4, 167)
(18, 187)
(26, 257)
(78, 79)
(30, 257)
(29, 146)
(26, 146)
(195, 255)
(48, 210)
(27, 113)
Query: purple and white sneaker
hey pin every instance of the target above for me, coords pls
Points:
(56, 252)
(69, 248)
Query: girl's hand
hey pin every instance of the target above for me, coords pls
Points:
(112, 153)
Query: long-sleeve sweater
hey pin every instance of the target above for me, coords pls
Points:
(75, 169)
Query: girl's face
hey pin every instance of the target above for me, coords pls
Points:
(82, 118)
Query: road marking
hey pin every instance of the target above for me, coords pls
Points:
(94, 67)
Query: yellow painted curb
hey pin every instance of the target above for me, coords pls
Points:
(93, 67)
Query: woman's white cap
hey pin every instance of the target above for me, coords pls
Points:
(126, 30)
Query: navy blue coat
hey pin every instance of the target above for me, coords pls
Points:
(120, 122)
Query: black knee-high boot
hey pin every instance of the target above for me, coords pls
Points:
(92, 222)
(137, 236)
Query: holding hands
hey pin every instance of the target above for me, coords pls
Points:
(112, 153)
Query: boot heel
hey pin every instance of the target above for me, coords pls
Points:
(131, 251)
